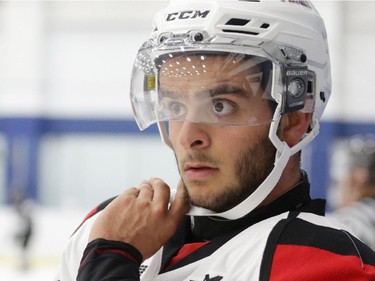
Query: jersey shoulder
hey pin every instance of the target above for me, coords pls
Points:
(304, 250)
(95, 211)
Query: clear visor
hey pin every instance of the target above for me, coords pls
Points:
(211, 87)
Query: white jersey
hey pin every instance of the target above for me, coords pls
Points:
(228, 262)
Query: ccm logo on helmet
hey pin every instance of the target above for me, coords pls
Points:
(186, 15)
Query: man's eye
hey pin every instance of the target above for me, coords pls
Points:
(222, 107)
(176, 109)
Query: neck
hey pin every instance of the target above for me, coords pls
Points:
(290, 178)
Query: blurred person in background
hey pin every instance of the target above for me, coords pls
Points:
(24, 225)
(356, 189)
(237, 89)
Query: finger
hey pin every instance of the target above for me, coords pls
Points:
(161, 193)
(125, 198)
(180, 205)
(145, 181)
(146, 192)
(132, 191)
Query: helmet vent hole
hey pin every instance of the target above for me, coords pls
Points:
(238, 22)
(322, 97)
(264, 25)
(240, 31)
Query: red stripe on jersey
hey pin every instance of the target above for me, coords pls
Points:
(116, 251)
(108, 251)
(186, 250)
(90, 214)
(293, 262)
(94, 211)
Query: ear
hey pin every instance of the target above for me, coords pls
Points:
(293, 126)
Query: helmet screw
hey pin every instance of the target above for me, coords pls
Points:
(162, 38)
(198, 37)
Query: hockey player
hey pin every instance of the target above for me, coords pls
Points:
(237, 88)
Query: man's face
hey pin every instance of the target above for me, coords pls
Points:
(220, 163)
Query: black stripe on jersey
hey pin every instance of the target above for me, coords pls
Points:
(295, 231)
(273, 238)
(303, 233)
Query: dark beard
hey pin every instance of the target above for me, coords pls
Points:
(255, 163)
(253, 167)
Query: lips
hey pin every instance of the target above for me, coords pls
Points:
(199, 171)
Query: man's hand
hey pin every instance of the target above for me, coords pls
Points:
(142, 216)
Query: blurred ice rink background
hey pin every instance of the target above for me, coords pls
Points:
(67, 138)
(52, 228)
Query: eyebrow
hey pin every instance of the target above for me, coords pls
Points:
(213, 92)
(165, 93)
(226, 89)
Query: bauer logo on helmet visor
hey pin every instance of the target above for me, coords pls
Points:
(183, 15)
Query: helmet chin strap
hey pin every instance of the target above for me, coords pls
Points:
(283, 153)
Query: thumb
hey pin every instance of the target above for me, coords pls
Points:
(181, 204)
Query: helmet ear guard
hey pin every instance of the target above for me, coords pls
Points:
(296, 81)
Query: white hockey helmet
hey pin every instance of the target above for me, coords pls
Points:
(282, 45)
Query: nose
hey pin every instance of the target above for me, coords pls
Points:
(194, 135)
